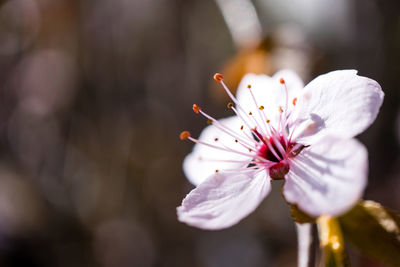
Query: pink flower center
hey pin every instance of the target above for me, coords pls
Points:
(267, 154)
(269, 148)
(278, 170)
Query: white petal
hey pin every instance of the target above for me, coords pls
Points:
(327, 178)
(203, 160)
(338, 103)
(224, 199)
(269, 93)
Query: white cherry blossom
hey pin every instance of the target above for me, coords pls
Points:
(282, 130)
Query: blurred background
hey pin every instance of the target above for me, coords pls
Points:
(93, 96)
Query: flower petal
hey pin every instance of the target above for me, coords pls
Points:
(224, 199)
(338, 103)
(269, 93)
(204, 160)
(327, 178)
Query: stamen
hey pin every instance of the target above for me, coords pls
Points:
(291, 134)
(245, 162)
(282, 81)
(294, 101)
(280, 118)
(194, 140)
(228, 92)
(226, 130)
(267, 143)
(272, 130)
(261, 114)
(275, 135)
(247, 169)
(255, 121)
(285, 137)
(196, 108)
(230, 105)
(279, 146)
(249, 148)
(245, 133)
(184, 135)
(241, 117)
(225, 149)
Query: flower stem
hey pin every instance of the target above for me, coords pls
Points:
(306, 244)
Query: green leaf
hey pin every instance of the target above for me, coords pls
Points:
(331, 242)
(374, 230)
(299, 216)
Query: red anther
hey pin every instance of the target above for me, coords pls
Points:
(294, 101)
(218, 77)
(196, 108)
(184, 135)
(281, 80)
